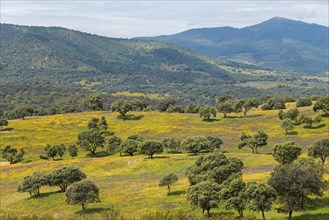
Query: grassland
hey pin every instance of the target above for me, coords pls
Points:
(130, 184)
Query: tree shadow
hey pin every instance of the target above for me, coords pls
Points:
(44, 195)
(108, 133)
(92, 211)
(245, 116)
(6, 129)
(315, 216)
(177, 193)
(211, 120)
(325, 115)
(314, 127)
(174, 152)
(98, 154)
(292, 133)
(130, 117)
(156, 157)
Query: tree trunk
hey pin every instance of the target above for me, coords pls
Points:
(93, 152)
(241, 213)
(245, 113)
(151, 156)
(263, 214)
(290, 214)
(202, 211)
(225, 115)
(256, 150)
(208, 212)
(83, 207)
(168, 189)
(253, 150)
(323, 159)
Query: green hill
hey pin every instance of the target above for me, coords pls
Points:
(278, 43)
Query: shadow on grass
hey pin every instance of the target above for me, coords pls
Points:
(92, 211)
(177, 193)
(174, 152)
(243, 116)
(315, 216)
(108, 133)
(6, 129)
(326, 115)
(130, 117)
(156, 157)
(43, 195)
(211, 120)
(292, 133)
(98, 154)
(314, 127)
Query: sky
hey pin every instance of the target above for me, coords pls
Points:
(127, 19)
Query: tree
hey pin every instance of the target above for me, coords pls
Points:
(12, 155)
(224, 98)
(304, 101)
(253, 142)
(90, 140)
(128, 146)
(139, 105)
(291, 114)
(287, 125)
(93, 102)
(122, 106)
(287, 152)
(322, 104)
(310, 121)
(215, 142)
(3, 122)
(51, 151)
(171, 143)
(213, 166)
(192, 108)
(168, 180)
(113, 144)
(65, 176)
(196, 144)
(32, 184)
(82, 193)
(320, 149)
(93, 123)
(23, 111)
(163, 104)
(205, 195)
(73, 150)
(150, 148)
(232, 193)
(206, 112)
(226, 107)
(295, 183)
(136, 137)
(61, 150)
(103, 124)
(260, 197)
(248, 104)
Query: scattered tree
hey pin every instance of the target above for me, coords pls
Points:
(32, 184)
(168, 180)
(322, 104)
(248, 104)
(51, 151)
(136, 137)
(287, 152)
(206, 112)
(65, 176)
(260, 197)
(12, 155)
(215, 142)
(310, 121)
(90, 140)
(320, 149)
(287, 125)
(103, 124)
(82, 193)
(304, 101)
(61, 150)
(122, 107)
(3, 122)
(93, 102)
(253, 142)
(196, 144)
(113, 144)
(295, 182)
(128, 146)
(213, 166)
(150, 148)
(93, 123)
(171, 143)
(205, 195)
(73, 150)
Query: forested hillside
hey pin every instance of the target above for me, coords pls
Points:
(54, 66)
(278, 43)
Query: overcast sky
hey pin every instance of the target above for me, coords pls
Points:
(150, 18)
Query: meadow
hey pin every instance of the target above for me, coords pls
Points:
(129, 185)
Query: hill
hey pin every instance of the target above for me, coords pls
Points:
(278, 43)
(130, 185)
(53, 66)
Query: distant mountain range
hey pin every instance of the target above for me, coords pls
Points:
(278, 43)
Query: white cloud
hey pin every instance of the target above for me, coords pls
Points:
(149, 18)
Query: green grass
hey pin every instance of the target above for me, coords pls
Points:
(130, 184)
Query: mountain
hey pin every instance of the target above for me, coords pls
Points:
(53, 66)
(278, 43)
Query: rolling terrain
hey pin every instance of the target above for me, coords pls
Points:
(278, 43)
(129, 185)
